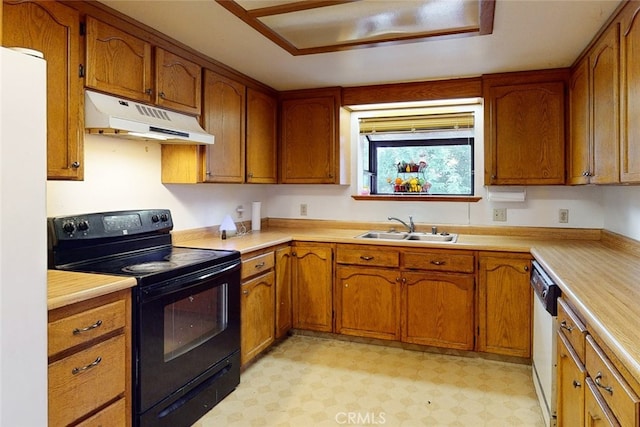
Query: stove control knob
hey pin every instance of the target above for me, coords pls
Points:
(155, 218)
(69, 227)
(83, 225)
(164, 217)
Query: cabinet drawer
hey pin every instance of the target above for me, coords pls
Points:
(257, 265)
(365, 255)
(85, 326)
(572, 328)
(439, 261)
(596, 410)
(622, 400)
(86, 380)
(113, 415)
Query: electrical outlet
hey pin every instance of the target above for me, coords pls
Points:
(563, 216)
(240, 211)
(303, 209)
(500, 214)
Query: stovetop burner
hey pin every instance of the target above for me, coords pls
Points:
(149, 267)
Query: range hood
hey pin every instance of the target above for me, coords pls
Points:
(109, 115)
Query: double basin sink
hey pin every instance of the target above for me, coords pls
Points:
(409, 236)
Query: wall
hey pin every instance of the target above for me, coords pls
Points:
(122, 174)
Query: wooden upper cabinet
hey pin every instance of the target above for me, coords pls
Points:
(117, 62)
(261, 149)
(579, 151)
(310, 140)
(54, 30)
(630, 102)
(178, 82)
(524, 128)
(224, 117)
(604, 120)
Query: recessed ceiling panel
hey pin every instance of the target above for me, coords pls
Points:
(306, 27)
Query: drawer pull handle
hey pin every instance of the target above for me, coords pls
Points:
(77, 331)
(607, 388)
(576, 384)
(262, 264)
(76, 371)
(366, 258)
(438, 262)
(564, 325)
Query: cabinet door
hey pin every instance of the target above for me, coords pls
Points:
(54, 30)
(313, 288)
(604, 70)
(257, 316)
(438, 309)
(630, 102)
(178, 82)
(262, 155)
(579, 140)
(224, 117)
(526, 136)
(597, 413)
(368, 302)
(504, 305)
(117, 62)
(283, 291)
(571, 376)
(308, 145)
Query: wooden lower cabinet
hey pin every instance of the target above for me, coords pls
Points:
(89, 374)
(313, 286)
(257, 316)
(571, 376)
(284, 299)
(504, 304)
(368, 302)
(438, 309)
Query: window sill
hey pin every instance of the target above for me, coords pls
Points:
(425, 198)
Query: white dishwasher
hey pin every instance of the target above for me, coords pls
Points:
(545, 325)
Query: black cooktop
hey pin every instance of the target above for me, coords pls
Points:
(161, 261)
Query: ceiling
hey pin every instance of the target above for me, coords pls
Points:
(527, 35)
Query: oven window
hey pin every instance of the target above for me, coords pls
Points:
(193, 320)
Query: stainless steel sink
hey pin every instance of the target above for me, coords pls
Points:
(415, 236)
(384, 235)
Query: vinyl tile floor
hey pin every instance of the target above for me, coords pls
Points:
(309, 381)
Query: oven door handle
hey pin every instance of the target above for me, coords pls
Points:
(185, 282)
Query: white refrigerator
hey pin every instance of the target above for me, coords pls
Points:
(23, 240)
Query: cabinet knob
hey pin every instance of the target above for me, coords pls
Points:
(438, 262)
(250, 174)
(366, 258)
(245, 292)
(76, 371)
(149, 91)
(564, 325)
(294, 254)
(75, 165)
(598, 381)
(162, 95)
(576, 384)
(526, 268)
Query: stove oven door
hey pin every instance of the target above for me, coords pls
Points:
(183, 327)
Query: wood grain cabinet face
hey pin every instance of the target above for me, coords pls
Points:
(261, 151)
(630, 102)
(525, 133)
(224, 117)
(178, 83)
(257, 309)
(118, 63)
(284, 297)
(505, 304)
(54, 29)
(313, 287)
(89, 374)
(571, 376)
(309, 141)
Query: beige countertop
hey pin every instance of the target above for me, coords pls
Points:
(65, 287)
(601, 280)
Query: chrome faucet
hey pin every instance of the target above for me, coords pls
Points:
(411, 226)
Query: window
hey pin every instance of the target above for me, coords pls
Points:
(418, 155)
